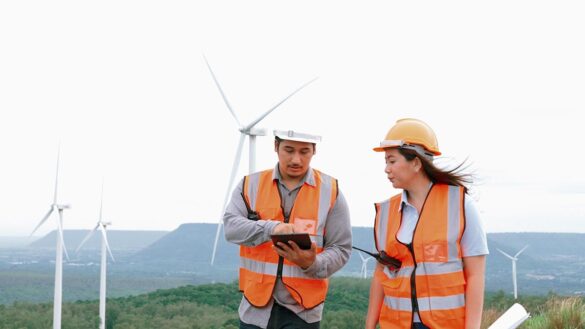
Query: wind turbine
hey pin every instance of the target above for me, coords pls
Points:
(249, 131)
(365, 260)
(101, 225)
(57, 299)
(514, 259)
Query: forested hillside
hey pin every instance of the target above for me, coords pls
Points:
(215, 306)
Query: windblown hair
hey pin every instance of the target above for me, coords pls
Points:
(455, 176)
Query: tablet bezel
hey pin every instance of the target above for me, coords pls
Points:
(303, 240)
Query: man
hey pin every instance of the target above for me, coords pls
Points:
(285, 286)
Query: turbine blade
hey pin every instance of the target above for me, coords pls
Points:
(225, 100)
(86, 238)
(512, 258)
(105, 237)
(60, 227)
(42, 221)
(235, 166)
(57, 173)
(361, 256)
(521, 250)
(253, 123)
(101, 200)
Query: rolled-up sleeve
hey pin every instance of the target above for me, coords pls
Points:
(238, 228)
(337, 248)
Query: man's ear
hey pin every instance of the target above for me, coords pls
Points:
(276, 143)
(314, 149)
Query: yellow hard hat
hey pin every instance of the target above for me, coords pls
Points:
(412, 134)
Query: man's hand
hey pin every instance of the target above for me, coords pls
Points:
(292, 252)
(283, 228)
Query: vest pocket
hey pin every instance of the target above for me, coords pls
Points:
(254, 260)
(435, 251)
(447, 296)
(305, 225)
(394, 305)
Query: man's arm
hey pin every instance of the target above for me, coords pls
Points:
(337, 247)
(241, 230)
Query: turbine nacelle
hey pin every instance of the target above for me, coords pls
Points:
(253, 131)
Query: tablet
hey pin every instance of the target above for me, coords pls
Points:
(301, 239)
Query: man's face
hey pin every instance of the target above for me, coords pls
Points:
(294, 157)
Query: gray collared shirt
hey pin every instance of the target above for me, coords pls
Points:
(337, 249)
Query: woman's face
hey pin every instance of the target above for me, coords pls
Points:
(400, 171)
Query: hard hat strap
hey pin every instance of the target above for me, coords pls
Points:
(402, 144)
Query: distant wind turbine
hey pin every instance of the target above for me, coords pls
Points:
(101, 225)
(364, 272)
(57, 299)
(514, 259)
(245, 130)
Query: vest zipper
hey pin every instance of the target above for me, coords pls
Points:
(410, 247)
(413, 283)
(286, 220)
(413, 300)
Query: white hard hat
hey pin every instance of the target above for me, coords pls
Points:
(297, 136)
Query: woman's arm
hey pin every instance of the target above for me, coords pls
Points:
(474, 269)
(375, 301)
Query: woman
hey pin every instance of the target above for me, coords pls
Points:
(434, 229)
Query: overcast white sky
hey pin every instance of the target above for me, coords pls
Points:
(124, 87)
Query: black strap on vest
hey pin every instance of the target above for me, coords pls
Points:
(252, 215)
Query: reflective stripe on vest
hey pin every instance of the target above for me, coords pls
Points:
(259, 264)
(426, 304)
(439, 278)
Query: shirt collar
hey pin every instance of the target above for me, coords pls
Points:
(404, 198)
(308, 179)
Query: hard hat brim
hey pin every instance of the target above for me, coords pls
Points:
(297, 136)
(386, 144)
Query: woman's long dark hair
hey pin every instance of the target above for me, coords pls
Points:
(454, 176)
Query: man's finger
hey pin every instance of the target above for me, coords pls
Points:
(294, 246)
(279, 251)
(283, 246)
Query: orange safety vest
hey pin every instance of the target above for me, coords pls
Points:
(431, 277)
(260, 266)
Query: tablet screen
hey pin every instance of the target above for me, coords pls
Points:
(301, 239)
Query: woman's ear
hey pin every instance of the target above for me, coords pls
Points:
(417, 164)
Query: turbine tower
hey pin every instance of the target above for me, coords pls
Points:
(514, 259)
(249, 131)
(101, 225)
(364, 272)
(57, 298)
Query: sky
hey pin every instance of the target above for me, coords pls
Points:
(123, 88)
